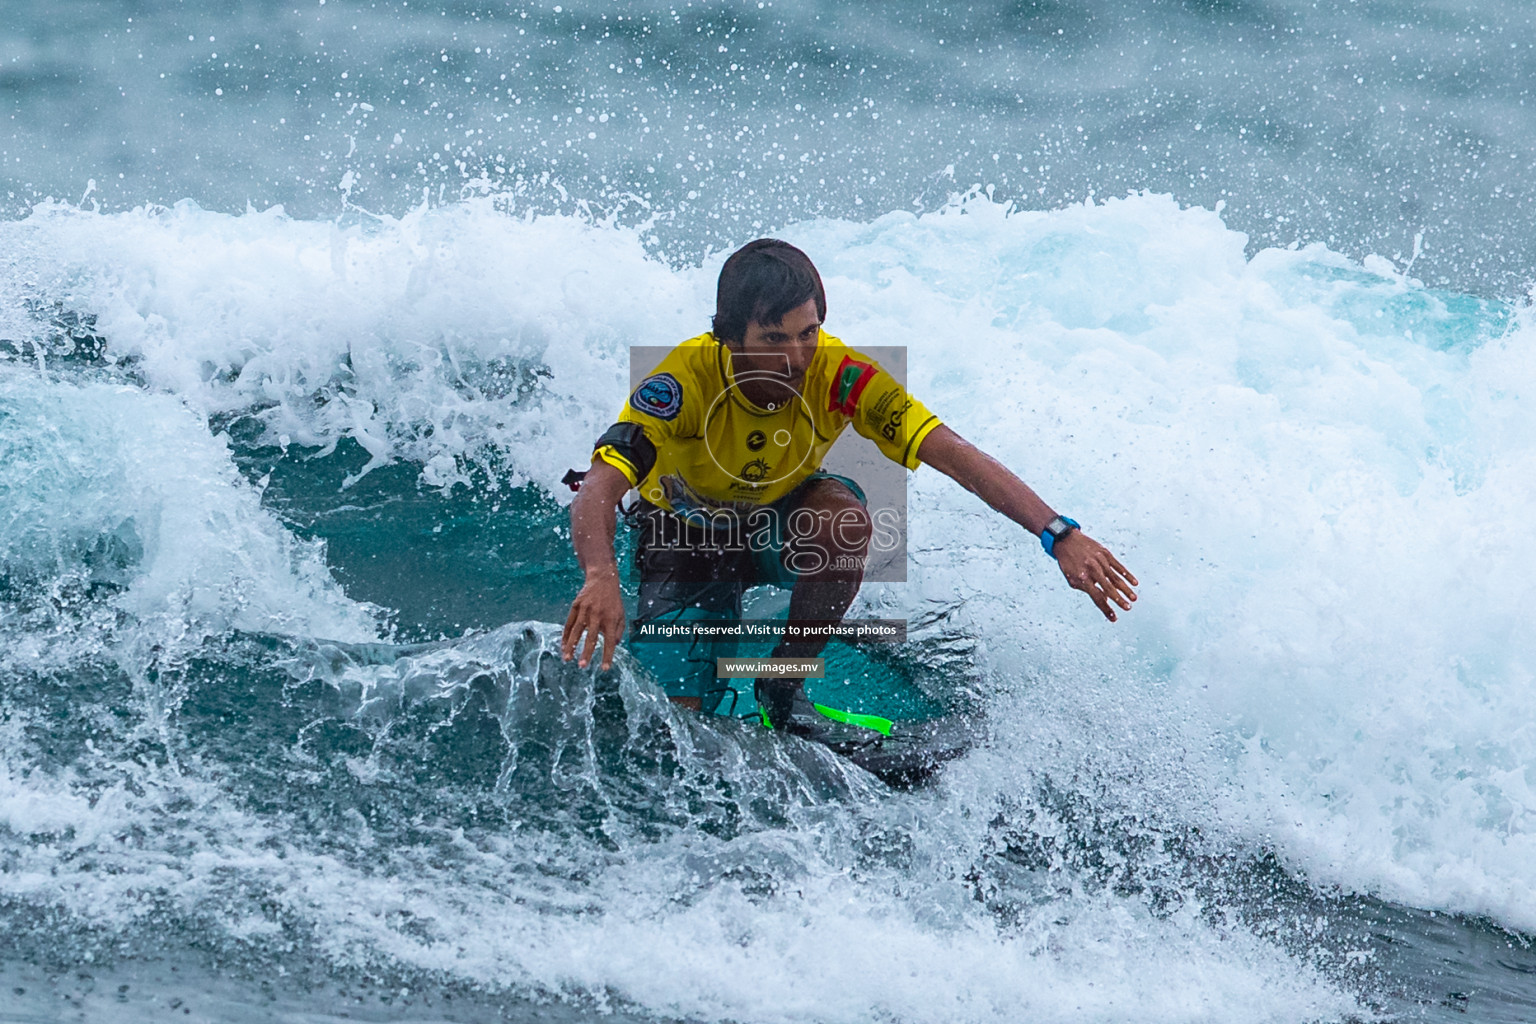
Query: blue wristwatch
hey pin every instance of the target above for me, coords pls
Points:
(1055, 530)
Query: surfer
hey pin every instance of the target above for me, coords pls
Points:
(724, 441)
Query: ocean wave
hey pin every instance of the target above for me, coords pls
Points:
(1317, 467)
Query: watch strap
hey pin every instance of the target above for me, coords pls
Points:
(1055, 530)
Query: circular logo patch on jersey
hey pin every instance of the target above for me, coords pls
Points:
(756, 440)
(660, 396)
(754, 471)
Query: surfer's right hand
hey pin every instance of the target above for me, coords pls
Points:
(597, 611)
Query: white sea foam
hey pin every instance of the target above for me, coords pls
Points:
(103, 483)
(653, 921)
(1329, 516)
(1317, 472)
(405, 335)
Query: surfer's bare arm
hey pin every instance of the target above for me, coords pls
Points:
(599, 608)
(1088, 565)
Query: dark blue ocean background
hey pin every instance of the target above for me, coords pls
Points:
(1364, 125)
(306, 307)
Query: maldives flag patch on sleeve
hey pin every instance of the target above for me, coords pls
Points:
(848, 384)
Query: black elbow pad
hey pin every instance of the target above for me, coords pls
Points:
(629, 440)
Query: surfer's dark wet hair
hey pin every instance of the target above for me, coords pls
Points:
(762, 281)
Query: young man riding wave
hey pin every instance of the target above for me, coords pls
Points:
(724, 442)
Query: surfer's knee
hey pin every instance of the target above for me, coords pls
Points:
(841, 522)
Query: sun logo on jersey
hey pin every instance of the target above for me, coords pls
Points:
(660, 396)
(754, 471)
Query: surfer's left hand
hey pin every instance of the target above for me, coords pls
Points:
(1089, 567)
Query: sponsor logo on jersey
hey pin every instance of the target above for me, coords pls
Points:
(659, 395)
(893, 421)
(873, 414)
(848, 384)
(756, 440)
(754, 471)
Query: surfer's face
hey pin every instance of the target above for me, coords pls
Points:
(773, 358)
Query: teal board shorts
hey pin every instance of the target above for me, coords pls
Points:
(691, 571)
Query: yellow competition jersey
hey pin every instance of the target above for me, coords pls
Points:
(716, 449)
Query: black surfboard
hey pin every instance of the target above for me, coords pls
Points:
(915, 750)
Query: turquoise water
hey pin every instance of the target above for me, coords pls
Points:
(284, 552)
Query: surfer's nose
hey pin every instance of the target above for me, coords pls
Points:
(799, 362)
